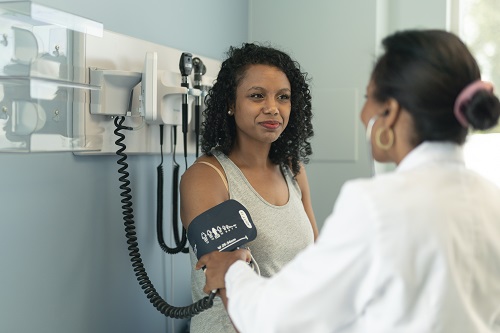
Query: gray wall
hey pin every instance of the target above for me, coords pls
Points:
(65, 264)
(336, 42)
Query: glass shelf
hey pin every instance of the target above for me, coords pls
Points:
(42, 77)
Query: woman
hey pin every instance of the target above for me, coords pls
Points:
(415, 250)
(255, 139)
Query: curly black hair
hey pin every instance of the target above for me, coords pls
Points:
(219, 130)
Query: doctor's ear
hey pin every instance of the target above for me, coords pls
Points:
(391, 113)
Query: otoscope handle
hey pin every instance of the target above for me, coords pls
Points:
(197, 119)
(184, 115)
(197, 125)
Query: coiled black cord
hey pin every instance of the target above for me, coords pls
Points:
(140, 272)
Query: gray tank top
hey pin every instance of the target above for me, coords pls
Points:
(282, 232)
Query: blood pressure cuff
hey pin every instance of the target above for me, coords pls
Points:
(224, 227)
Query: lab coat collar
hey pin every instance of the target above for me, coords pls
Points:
(431, 152)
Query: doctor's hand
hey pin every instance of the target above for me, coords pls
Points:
(216, 265)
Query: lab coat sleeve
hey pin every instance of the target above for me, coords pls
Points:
(323, 289)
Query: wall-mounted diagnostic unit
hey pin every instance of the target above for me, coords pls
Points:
(63, 79)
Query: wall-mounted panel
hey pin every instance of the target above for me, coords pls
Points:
(123, 53)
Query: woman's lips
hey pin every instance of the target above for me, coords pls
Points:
(270, 124)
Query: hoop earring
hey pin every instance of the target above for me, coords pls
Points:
(390, 136)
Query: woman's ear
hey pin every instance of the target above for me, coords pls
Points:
(391, 113)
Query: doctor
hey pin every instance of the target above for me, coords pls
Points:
(416, 250)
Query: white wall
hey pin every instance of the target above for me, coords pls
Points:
(405, 14)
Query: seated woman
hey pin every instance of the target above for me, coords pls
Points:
(255, 141)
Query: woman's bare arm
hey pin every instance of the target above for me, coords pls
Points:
(306, 199)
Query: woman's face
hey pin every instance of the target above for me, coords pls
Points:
(263, 104)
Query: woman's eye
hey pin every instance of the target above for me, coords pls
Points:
(257, 96)
(284, 97)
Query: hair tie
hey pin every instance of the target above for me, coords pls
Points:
(465, 96)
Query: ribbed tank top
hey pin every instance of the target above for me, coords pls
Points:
(282, 232)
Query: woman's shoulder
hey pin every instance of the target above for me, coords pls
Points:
(206, 174)
(202, 168)
(202, 186)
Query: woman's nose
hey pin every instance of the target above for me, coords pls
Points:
(271, 108)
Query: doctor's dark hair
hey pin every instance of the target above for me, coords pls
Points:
(219, 129)
(425, 71)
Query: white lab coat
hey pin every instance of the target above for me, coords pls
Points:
(413, 251)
